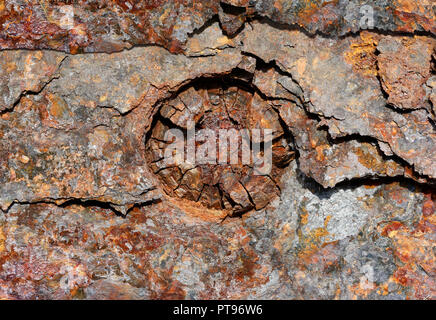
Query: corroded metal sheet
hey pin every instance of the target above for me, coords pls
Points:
(89, 209)
(107, 26)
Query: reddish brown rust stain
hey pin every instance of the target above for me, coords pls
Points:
(215, 105)
(42, 24)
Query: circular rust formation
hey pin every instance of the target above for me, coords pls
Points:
(217, 105)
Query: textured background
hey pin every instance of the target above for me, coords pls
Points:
(82, 216)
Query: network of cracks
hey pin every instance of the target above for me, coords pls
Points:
(244, 145)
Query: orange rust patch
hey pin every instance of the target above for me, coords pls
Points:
(310, 243)
(132, 241)
(192, 209)
(428, 207)
(391, 227)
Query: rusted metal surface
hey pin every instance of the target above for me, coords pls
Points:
(216, 106)
(108, 26)
(88, 209)
(305, 250)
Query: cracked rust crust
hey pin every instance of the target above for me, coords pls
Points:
(73, 128)
(219, 104)
(108, 26)
(347, 212)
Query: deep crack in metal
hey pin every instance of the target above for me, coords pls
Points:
(219, 103)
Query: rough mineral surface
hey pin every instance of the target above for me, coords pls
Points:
(112, 25)
(89, 209)
(225, 183)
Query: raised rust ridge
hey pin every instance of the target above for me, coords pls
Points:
(89, 209)
(215, 104)
(108, 26)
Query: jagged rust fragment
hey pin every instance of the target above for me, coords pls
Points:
(25, 72)
(348, 211)
(220, 106)
(405, 66)
(108, 26)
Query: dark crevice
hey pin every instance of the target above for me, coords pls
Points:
(27, 93)
(433, 63)
(374, 142)
(206, 25)
(405, 111)
(351, 184)
(433, 123)
(378, 76)
(333, 34)
(107, 205)
(91, 204)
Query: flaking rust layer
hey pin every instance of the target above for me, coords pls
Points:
(108, 26)
(88, 212)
